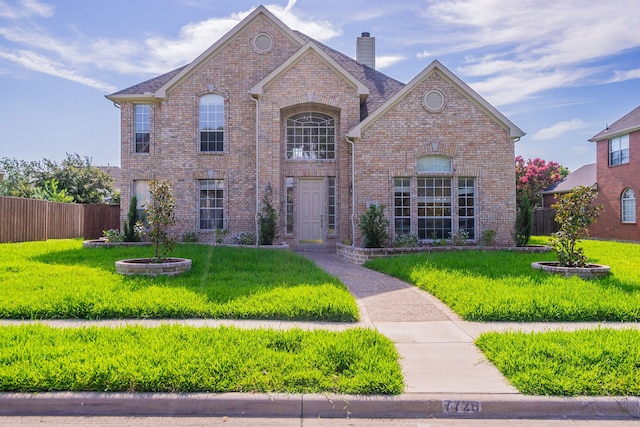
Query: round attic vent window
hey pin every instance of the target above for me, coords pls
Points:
(262, 43)
(433, 101)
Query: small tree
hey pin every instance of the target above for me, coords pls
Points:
(50, 191)
(130, 231)
(374, 227)
(575, 212)
(267, 222)
(160, 215)
(522, 226)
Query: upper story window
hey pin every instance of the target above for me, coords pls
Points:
(142, 127)
(628, 206)
(211, 123)
(433, 164)
(619, 150)
(311, 136)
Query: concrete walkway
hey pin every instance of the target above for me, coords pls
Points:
(445, 374)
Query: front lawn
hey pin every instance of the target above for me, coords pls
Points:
(502, 286)
(188, 359)
(602, 362)
(61, 279)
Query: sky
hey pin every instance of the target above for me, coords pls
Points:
(561, 70)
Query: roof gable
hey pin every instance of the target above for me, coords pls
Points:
(627, 124)
(186, 71)
(514, 132)
(311, 48)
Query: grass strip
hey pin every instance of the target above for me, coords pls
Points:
(61, 279)
(189, 359)
(502, 286)
(601, 362)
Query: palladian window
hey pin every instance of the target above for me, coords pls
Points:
(311, 136)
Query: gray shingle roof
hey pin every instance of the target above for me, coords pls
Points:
(150, 85)
(585, 175)
(381, 87)
(630, 122)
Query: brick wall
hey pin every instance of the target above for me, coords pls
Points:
(479, 147)
(612, 181)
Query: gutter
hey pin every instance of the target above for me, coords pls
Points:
(255, 99)
(353, 189)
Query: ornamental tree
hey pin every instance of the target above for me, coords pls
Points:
(576, 211)
(160, 215)
(533, 176)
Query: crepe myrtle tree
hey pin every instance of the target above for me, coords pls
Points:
(575, 212)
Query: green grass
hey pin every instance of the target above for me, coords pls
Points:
(61, 279)
(600, 362)
(502, 286)
(188, 359)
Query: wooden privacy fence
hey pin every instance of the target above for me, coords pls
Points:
(543, 222)
(23, 220)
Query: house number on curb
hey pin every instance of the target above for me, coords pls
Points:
(460, 406)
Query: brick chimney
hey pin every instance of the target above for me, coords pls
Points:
(366, 50)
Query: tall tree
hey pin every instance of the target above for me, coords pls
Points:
(74, 175)
(533, 176)
(84, 182)
(18, 177)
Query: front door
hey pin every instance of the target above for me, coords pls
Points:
(310, 210)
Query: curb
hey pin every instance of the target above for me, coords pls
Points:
(318, 406)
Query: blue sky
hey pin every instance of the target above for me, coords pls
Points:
(559, 69)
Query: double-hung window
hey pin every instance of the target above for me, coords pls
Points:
(628, 206)
(211, 123)
(142, 125)
(619, 150)
(211, 204)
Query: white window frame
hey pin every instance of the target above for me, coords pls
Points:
(211, 123)
(467, 205)
(311, 136)
(435, 206)
(628, 206)
(143, 196)
(208, 205)
(619, 150)
(141, 128)
(401, 206)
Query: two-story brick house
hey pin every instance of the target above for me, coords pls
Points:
(267, 111)
(618, 173)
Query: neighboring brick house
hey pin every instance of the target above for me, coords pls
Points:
(267, 111)
(618, 172)
(583, 176)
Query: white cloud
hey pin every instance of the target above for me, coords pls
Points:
(43, 64)
(621, 76)
(558, 129)
(534, 45)
(26, 9)
(388, 61)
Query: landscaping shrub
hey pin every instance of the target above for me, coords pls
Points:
(374, 227)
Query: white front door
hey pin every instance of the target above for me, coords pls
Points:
(310, 210)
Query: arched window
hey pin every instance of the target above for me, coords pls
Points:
(211, 123)
(628, 205)
(311, 136)
(433, 164)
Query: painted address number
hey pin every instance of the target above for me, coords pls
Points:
(460, 406)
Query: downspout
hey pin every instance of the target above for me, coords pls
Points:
(353, 190)
(255, 98)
